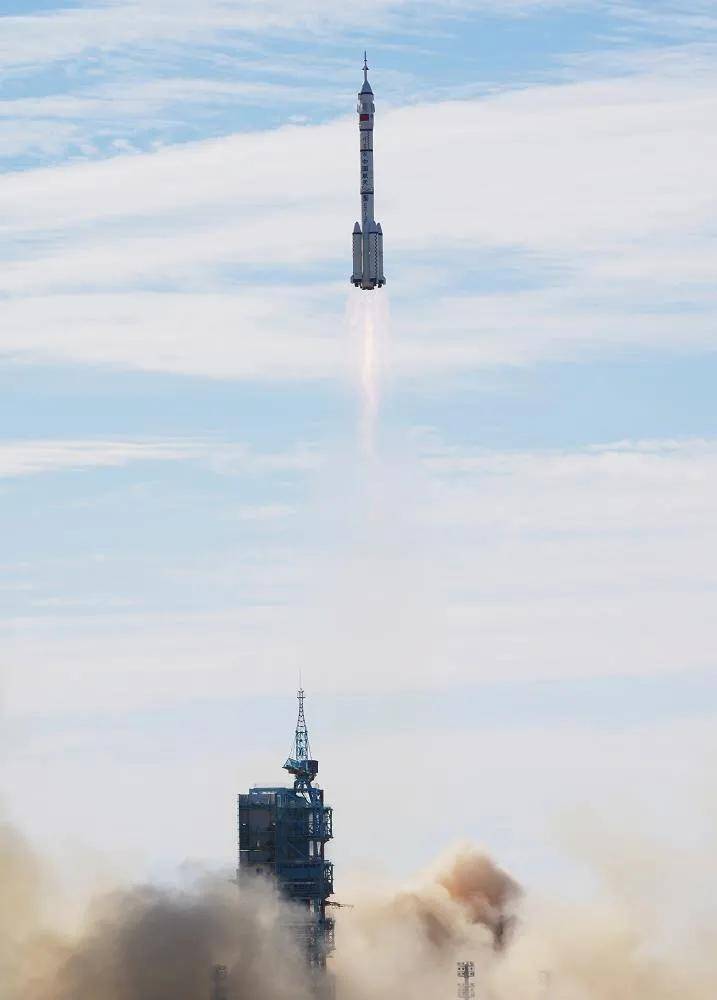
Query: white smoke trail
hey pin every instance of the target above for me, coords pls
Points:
(369, 384)
(368, 320)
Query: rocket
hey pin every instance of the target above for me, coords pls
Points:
(368, 235)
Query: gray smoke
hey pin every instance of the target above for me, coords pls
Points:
(144, 942)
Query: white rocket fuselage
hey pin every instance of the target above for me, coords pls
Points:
(368, 236)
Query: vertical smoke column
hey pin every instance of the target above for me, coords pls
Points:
(368, 323)
(369, 381)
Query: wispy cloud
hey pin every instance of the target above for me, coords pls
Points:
(675, 20)
(62, 34)
(23, 458)
(670, 486)
(31, 457)
(122, 261)
(278, 332)
(593, 562)
(144, 98)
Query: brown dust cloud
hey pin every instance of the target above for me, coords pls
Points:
(157, 943)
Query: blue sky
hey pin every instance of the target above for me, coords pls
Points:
(515, 598)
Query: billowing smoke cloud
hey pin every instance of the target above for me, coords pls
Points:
(650, 937)
(158, 944)
(145, 942)
(21, 909)
(153, 943)
(412, 938)
(485, 891)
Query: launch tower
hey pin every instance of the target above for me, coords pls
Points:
(283, 832)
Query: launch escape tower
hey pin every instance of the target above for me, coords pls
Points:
(283, 832)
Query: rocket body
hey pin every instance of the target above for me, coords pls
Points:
(367, 235)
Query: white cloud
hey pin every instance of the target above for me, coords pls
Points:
(142, 98)
(263, 512)
(672, 17)
(18, 137)
(30, 457)
(23, 458)
(670, 486)
(113, 25)
(279, 332)
(536, 170)
(92, 121)
(603, 188)
(125, 788)
(517, 785)
(591, 563)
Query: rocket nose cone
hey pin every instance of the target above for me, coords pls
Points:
(357, 228)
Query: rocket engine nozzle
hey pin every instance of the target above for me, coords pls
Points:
(368, 257)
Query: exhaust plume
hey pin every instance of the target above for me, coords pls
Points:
(368, 322)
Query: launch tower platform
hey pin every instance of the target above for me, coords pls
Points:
(283, 834)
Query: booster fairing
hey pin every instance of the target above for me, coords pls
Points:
(367, 235)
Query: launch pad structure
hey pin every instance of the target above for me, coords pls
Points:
(283, 832)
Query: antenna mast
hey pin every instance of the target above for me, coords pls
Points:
(300, 762)
(302, 750)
